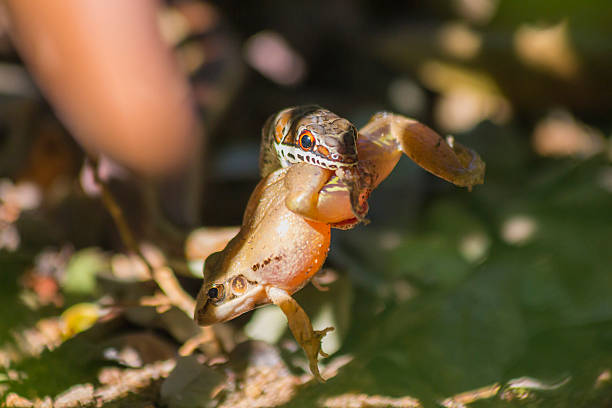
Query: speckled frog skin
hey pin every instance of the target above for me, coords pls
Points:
(275, 247)
(285, 234)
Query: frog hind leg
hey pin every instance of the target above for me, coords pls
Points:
(442, 157)
(301, 328)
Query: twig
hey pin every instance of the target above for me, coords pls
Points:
(167, 282)
(161, 274)
(117, 214)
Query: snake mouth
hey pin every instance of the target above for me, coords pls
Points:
(335, 164)
(348, 161)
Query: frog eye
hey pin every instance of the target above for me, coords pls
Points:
(216, 293)
(239, 285)
(306, 140)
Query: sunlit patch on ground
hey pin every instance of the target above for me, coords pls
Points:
(478, 11)
(270, 54)
(548, 49)
(474, 247)
(459, 41)
(518, 229)
(14, 199)
(467, 97)
(559, 134)
(373, 401)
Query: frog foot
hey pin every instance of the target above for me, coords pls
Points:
(312, 348)
(359, 183)
(359, 204)
(301, 328)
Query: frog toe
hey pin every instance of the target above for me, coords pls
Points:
(313, 349)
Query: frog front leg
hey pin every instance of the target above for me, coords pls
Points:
(320, 195)
(301, 328)
(304, 183)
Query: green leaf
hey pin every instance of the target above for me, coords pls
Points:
(80, 277)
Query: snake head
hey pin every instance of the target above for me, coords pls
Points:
(314, 135)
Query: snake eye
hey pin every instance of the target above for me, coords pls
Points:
(239, 285)
(307, 140)
(216, 293)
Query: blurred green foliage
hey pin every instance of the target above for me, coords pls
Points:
(541, 308)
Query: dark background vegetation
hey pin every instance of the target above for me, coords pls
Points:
(446, 291)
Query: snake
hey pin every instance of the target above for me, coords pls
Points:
(315, 135)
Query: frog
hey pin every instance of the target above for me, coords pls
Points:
(285, 234)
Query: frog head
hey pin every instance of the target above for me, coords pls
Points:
(226, 293)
